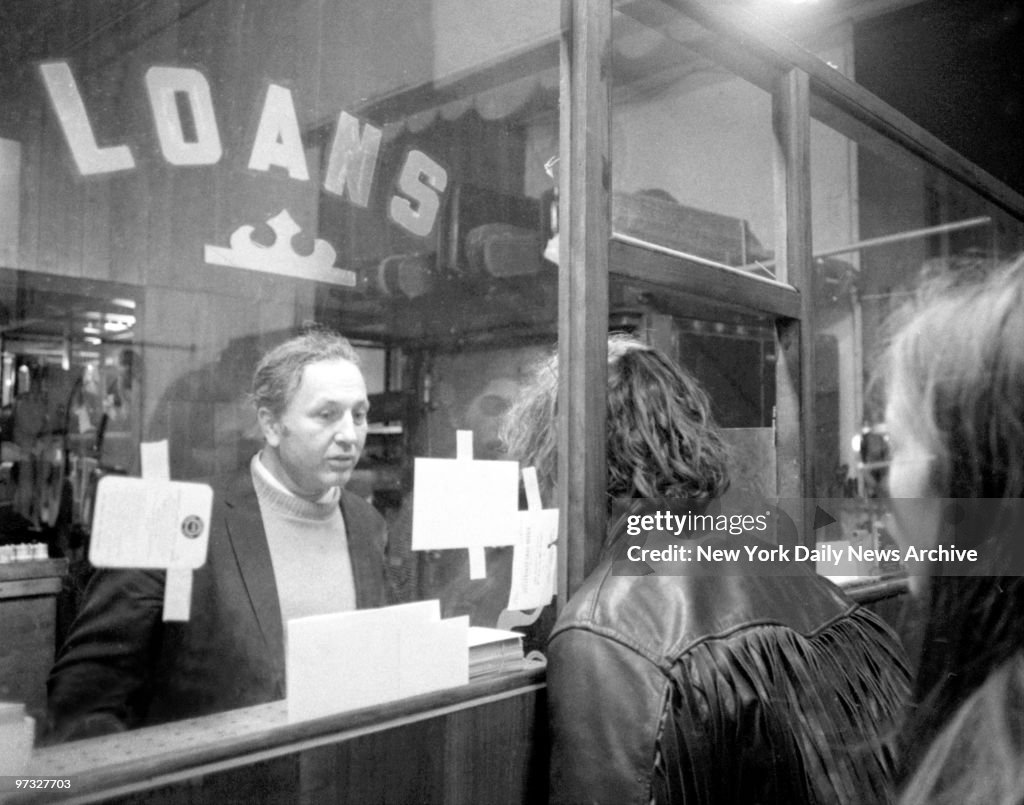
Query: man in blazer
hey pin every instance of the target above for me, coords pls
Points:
(286, 540)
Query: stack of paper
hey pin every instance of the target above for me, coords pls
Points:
(357, 659)
(493, 650)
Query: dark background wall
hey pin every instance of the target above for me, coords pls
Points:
(955, 67)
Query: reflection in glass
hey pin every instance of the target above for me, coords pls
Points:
(731, 353)
(884, 220)
(691, 149)
(72, 396)
(238, 170)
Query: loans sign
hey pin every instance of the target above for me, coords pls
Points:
(180, 94)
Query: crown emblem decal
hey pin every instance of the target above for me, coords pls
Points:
(280, 257)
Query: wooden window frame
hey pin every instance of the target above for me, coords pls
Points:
(802, 87)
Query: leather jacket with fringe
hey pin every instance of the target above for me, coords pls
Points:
(720, 688)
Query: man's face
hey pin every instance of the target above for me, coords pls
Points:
(316, 441)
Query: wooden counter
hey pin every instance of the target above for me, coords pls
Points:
(28, 616)
(484, 742)
(870, 590)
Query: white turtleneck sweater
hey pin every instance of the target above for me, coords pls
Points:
(308, 548)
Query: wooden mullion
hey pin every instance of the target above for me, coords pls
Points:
(795, 367)
(585, 228)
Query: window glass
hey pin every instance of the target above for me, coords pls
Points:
(692, 144)
(732, 353)
(884, 220)
(693, 188)
(185, 186)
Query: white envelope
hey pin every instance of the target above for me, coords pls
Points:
(348, 660)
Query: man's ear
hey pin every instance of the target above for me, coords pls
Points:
(270, 426)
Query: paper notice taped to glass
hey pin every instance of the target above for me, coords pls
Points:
(534, 560)
(143, 523)
(464, 504)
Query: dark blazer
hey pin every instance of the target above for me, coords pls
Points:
(122, 666)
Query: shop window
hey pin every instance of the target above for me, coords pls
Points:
(884, 221)
(691, 148)
(72, 397)
(240, 171)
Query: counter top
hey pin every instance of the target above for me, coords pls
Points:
(149, 757)
(31, 577)
(868, 589)
(32, 569)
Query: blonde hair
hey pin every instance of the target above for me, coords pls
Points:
(955, 370)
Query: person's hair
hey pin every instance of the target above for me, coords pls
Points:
(956, 365)
(279, 371)
(662, 439)
(954, 373)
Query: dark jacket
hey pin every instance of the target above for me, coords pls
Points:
(718, 689)
(122, 666)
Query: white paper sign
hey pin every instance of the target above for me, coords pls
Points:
(477, 555)
(464, 504)
(178, 594)
(477, 563)
(150, 524)
(155, 459)
(349, 660)
(534, 560)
